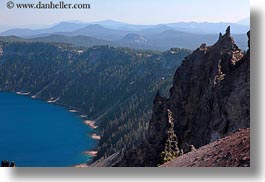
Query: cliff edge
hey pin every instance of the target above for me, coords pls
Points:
(209, 100)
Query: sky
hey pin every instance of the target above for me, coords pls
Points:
(129, 11)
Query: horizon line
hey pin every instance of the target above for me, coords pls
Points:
(112, 20)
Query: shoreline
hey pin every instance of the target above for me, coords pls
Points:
(91, 153)
(90, 123)
(95, 136)
(52, 100)
(83, 165)
(23, 93)
(83, 117)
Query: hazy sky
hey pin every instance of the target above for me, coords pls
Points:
(130, 11)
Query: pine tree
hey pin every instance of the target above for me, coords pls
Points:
(171, 150)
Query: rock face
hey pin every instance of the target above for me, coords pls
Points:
(233, 150)
(209, 100)
(210, 94)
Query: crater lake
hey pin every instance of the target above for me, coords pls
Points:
(34, 133)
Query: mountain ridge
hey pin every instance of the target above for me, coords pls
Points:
(204, 27)
(160, 41)
(160, 37)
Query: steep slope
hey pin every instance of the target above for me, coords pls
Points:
(210, 94)
(233, 150)
(114, 86)
(209, 100)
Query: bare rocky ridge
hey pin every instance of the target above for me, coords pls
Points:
(210, 94)
(233, 150)
(210, 99)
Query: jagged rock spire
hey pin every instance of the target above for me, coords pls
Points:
(226, 35)
(228, 31)
(226, 41)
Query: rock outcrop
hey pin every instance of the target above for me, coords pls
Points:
(210, 94)
(210, 99)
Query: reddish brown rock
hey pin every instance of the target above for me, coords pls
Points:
(231, 151)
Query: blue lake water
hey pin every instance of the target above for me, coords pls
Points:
(34, 133)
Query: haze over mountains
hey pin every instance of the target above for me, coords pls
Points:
(245, 21)
(154, 37)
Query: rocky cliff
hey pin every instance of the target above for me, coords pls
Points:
(209, 100)
(210, 94)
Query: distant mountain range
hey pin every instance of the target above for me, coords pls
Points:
(245, 21)
(156, 37)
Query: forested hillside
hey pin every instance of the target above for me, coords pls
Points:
(114, 86)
